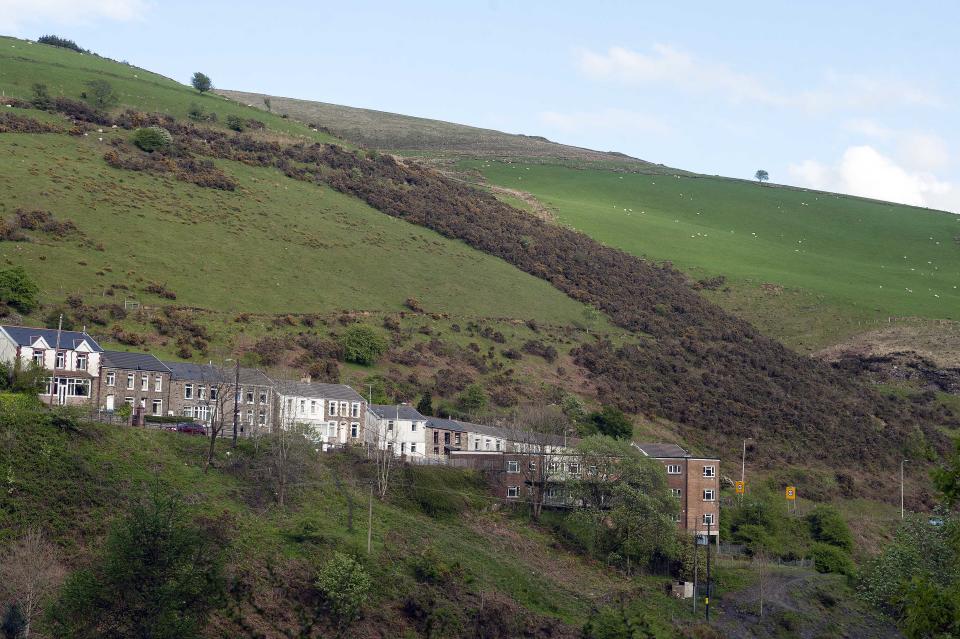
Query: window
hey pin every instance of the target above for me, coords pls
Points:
(413, 427)
(343, 409)
(130, 378)
(513, 466)
(128, 401)
(263, 397)
(592, 470)
(262, 417)
(61, 360)
(574, 469)
(77, 387)
(332, 429)
(250, 416)
(313, 407)
(249, 396)
(332, 409)
(111, 378)
(676, 519)
(709, 471)
(38, 358)
(355, 409)
(403, 447)
(532, 466)
(202, 413)
(144, 382)
(81, 361)
(553, 492)
(446, 439)
(436, 450)
(676, 492)
(289, 407)
(303, 406)
(188, 411)
(708, 519)
(188, 391)
(553, 467)
(499, 443)
(476, 444)
(390, 426)
(513, 492)
(157, 407)
(436, 437)
(486, 444)
(673, 469)
(709, 494)
(413, 448)
(214, 393)
(456, 438)
(201, 392)
(158, 384)
(354, 430)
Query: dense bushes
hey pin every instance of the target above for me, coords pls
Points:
(345, 586)
(362, 345)
(17, 290)
(57, 41)
(152, 138)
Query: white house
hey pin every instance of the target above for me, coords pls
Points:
(333, 413)
(73, 357)
(399, 427)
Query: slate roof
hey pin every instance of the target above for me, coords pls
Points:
(340, 392)
(393, 411)
(446, 424)
(26, 336)
(662, 450)
(188, 371)
(133, 361)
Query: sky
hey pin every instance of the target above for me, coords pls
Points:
(856, 97)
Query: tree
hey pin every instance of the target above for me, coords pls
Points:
(425, 405)
(345, 586)
(473, 399)
(152, 138)
(947, 479)
(362, 345)
(201, 82)
(100, 94)
(236, 123)
(222, 390)
(17, 290)
(159, 576)
(266, 103)
(30, 573)
(612, 422)
(538, 431)
(41, 98)
(930, 611)
(288, 449)
(829, 527)
(761, 176)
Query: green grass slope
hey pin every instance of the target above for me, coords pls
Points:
(857, 258)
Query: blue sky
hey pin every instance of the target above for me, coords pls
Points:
(854, 96)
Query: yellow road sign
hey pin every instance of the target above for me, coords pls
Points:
(791, 493)
(740, 487)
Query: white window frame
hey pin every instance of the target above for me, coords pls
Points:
(676, 492)
(60, 361)
(263, 397)
(188, 391)
(111, 378)
(131, 381)
(355, 409)
(313, 407)
(144, 383)
(513, 492)
(573, 468)
(413, 447)
(709, 494)
(513, 466)
(343, 409)
(81, 361)
(332, 408)
(38, 357)
(157, 407)
(354, 430)
(201, 393)
(158, 383)
(709, 517)
(214, 393)
(413, 427)
(710, 471)
(389, 425)
(674, 469)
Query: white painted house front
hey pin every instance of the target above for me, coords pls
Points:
(72, 357)
(398, 427)
(332, 413)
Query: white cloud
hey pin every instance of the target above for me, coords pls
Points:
(666, 64)
(864, 171)
(924, 151)
(16, 15)
(604, 119)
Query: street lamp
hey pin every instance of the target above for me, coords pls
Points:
(743, 460)
(902, 462)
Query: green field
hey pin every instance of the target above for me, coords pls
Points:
(866, 259)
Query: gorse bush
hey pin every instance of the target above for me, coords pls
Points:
(152, 138)
(345, 586)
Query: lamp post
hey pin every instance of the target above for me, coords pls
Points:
(743, 460)
(902, 462)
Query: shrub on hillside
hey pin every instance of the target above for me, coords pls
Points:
(152, 138)
(57, 41)
(201, 82)
(473, 399)
(828, 526)
(827, 558)
(345, 585)
(611, 421)
(17, 290)
(235, 122)
(362, 345)
(100, 95)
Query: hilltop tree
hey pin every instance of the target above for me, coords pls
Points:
(761, 176)
(201, 82)
(100, 94)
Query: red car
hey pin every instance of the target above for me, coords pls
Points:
(188, 428)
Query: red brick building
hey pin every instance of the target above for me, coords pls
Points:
(694, 481)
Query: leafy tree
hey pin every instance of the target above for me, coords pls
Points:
(159, 576)
(345, 586)
(362, 345)
(201, 82)
(100, 94)
(17, 290)
(612, 422)
(57, 41)
(152, 138)
(761, 176)
(573, 408)
(30, 380)
(425, 405)
(828, 558)
(947, 479)
(473, 399)
(41, 97)
(931, 612)
(828, 526)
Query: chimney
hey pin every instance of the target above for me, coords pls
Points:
(306, 379)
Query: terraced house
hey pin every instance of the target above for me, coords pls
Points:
(73, 358)
(138, 379)
(206, 393)
(331, 413)
(398, 427)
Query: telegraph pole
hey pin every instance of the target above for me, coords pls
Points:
(902, 462)
(696, 562)
(370, 522)
(707, 606)
(236, 402)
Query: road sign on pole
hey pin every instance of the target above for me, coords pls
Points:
(740, 487)
(791, 493)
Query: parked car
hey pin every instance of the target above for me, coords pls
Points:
(188, 428)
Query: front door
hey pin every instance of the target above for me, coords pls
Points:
(109, 402)
(62, 392)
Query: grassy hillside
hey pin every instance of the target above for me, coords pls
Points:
(855, 258)
(415, 136)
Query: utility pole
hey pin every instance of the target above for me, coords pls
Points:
(902, 462)
(707, 606)
(56, 352)
(696, 562)
(370, 522)
(236, 402)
